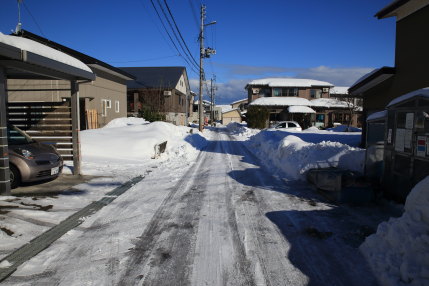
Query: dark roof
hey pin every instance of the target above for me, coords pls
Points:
(80, 56)
(154, 77)
(390, 8)
(370, 80)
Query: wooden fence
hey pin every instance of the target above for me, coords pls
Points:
(47, 122)
(91, 119)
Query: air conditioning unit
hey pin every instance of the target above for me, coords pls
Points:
(167, 92)
(325, 89)
(255, 90)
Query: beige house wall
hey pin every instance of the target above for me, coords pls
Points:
(93, 93)
(231, 116)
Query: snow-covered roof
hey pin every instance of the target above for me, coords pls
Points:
(339, 90)
(377, 115)
(300, 109)
(42, 50)
(238, 101)
(235, 109)
(365, 76)
(330, 103)
(289, 82)
(205, 102)
(224, 108)
(420, 92)
(281, 101)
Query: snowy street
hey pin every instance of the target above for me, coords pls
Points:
(224, 219)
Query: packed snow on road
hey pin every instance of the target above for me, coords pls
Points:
(227, 206)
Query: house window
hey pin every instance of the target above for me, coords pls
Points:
(117, 106)
(285, 91)
(105, 104)
(315, 93)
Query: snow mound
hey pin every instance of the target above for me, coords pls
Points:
(132, 145)
(125, 121)
(344, 128)
(294, 156)
(398, 252)
(237, 128)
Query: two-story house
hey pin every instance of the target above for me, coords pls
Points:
(101, 100)
(304, 100)
(161, 90)
(411, 68)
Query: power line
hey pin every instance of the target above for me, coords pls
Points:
(171, 39)
(145, 60)
(194, 13)
(189, 56)
(180, 34)
(34, 19)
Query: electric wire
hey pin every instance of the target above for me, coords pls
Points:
(34, 19)
(180, 34)
(171, 39)
(189, 56)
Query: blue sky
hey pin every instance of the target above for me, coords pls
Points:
(332, 40)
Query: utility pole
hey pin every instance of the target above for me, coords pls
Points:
(204, 53)
(212, 96)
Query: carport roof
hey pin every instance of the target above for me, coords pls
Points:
(25, 58)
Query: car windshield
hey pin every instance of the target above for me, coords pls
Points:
(16, 136)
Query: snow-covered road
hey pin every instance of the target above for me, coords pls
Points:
(224, 220)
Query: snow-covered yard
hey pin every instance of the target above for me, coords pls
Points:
(124, 149)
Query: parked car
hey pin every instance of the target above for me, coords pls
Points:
(288, 125)
(29, 160)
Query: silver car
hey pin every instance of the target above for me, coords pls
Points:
(31, 161)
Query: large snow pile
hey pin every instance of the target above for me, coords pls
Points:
(127, 147)
(121, 122)
(399, 252)
(344, 128)
(294, 154)
(239, 129)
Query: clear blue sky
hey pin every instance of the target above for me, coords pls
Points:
(333, 40)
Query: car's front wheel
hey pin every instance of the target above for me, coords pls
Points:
(15, 177)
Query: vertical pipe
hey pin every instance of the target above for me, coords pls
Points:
(75, 126)
(200, 97)
(4, 155)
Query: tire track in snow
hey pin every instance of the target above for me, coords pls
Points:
(220, 256)
(164, 252)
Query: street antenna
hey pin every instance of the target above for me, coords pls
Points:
(18, 27)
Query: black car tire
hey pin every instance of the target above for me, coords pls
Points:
(15, 177)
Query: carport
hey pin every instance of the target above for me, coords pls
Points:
(22, 58)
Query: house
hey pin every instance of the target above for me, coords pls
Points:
(160, 91)
(281, 95)
(232, 115)
(396, 105)
(411, 68)
(29, 60)
(101, 100)
(194, 116)
(240, 104)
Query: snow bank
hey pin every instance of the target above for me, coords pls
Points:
(288, 152)
(239, 129)
(128, 144)
(398, 252)
(344, 128)
(126, 121)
